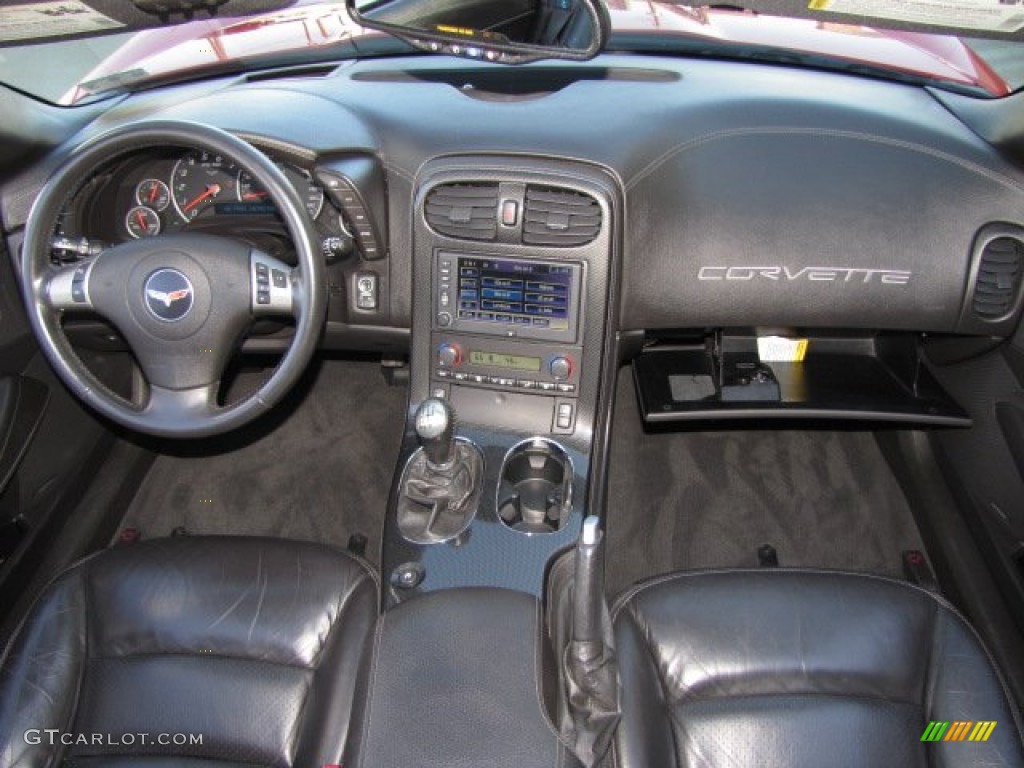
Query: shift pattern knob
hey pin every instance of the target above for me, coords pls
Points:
(435, 428)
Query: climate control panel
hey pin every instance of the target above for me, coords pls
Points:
(522, 366)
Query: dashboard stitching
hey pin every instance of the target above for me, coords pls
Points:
(826, 133)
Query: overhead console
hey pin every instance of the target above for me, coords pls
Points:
(514, 278)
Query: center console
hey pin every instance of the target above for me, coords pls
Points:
(513, 287)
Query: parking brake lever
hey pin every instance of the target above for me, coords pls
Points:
(588, 585)
(590, 672)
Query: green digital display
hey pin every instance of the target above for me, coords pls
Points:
(517, 362)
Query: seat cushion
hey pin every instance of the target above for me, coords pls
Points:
(796, 668)
(255, 646)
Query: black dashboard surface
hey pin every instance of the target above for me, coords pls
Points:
(754, 194)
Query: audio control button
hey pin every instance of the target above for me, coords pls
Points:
(560, 367)
(449, 355)
(444, 319)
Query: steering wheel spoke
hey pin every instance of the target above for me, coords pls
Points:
(173, 407)
(66, 288)
(273, 286)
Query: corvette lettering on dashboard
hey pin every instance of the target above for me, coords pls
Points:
(812, 274)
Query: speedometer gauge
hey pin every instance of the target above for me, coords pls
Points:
(310, 192)
(199, 180)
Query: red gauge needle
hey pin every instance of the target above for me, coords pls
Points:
(210, 191)
(142, 221)
(152, 193)
(254, 195)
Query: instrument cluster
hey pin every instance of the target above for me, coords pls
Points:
(169, 191)
(201, 185)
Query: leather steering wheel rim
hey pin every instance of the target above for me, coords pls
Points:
(183, 415)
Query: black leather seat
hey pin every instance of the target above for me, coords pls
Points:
(255, 645)
(790, 668)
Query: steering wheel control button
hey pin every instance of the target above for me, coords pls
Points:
(271, 288)
(168, 295)
(68, 287)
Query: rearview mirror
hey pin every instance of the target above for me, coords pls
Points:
(506, 31)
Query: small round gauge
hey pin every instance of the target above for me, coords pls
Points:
(153, 193)
(200, 180)
(310, 192)
(142, 221)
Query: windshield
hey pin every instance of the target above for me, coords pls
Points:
(72, 70)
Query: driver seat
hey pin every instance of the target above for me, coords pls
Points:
(255, 645)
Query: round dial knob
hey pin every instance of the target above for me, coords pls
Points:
(449, 355)
(560, 367)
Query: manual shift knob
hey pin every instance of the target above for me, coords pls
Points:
(435, 428)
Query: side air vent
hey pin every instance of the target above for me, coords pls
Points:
(466, 211)
(559, 217)
(999, 278)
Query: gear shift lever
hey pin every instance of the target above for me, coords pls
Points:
(441, 484)
(435, 428)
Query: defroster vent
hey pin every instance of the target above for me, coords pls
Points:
(999, 277)
(559, 217)
(468, 211)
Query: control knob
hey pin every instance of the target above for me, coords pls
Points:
(560, 367)
(449, 355)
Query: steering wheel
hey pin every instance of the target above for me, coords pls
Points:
(182, 302)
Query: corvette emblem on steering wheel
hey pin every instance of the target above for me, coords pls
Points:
(168, 295)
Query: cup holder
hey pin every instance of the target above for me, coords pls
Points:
(535, 487)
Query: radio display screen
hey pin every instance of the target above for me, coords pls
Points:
(515, 292)
(498, 360)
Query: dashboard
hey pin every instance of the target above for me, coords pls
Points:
(718, 230)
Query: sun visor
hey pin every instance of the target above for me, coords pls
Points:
(24, 23)
(999, 19)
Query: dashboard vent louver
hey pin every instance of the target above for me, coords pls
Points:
(999, 277)
(468, 211)
(559, 217)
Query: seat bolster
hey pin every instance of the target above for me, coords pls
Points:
(645, 714)
(41, 672)
(963, 686)
(339, 689)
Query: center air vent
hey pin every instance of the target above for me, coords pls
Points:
(559, 217)
(999, 278)
(465, 211)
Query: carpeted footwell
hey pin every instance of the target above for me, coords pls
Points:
(687, 500)
(319, 468)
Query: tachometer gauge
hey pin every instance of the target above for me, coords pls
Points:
(153, 193)
(199, 180)
(310, 192)
(142, 222)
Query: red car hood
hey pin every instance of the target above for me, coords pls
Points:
(312, 25)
